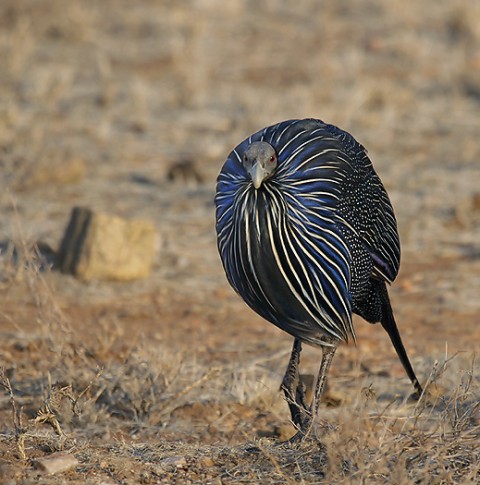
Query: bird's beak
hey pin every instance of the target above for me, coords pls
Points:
(258, 174)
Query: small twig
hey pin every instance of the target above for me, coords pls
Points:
(75, 401)
(44, 416)
(48, 412)
(16, 415)
(187, 389)
(197, 383)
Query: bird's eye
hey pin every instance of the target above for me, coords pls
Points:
(245, 158)
(272, 159)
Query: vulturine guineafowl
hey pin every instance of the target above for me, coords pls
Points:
(307, 236)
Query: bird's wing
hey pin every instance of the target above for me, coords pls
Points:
(367, 209)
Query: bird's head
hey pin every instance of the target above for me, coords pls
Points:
(260, 161)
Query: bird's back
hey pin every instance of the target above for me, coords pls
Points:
(365, 206)
(307, 248)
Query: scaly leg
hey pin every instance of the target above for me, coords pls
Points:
(328, 351)
(293, 387)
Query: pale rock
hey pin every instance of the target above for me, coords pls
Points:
(56, 463)
(99, 246)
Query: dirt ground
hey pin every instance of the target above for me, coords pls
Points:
(130, 108)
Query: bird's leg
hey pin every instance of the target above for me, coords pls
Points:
(293, 387)
(328, 351)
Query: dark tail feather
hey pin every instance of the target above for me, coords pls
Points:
(389, 324)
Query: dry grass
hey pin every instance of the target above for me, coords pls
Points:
(142, 411)
(131, 108)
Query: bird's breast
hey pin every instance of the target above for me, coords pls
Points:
(292, 278)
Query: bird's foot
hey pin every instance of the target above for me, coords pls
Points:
(303, 434)
(308, 433)
(296, 403)
(299, 439)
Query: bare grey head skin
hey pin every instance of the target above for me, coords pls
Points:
(260, 161)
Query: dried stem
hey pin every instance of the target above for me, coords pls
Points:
(16, 415)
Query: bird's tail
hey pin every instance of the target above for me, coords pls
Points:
(390, 326)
